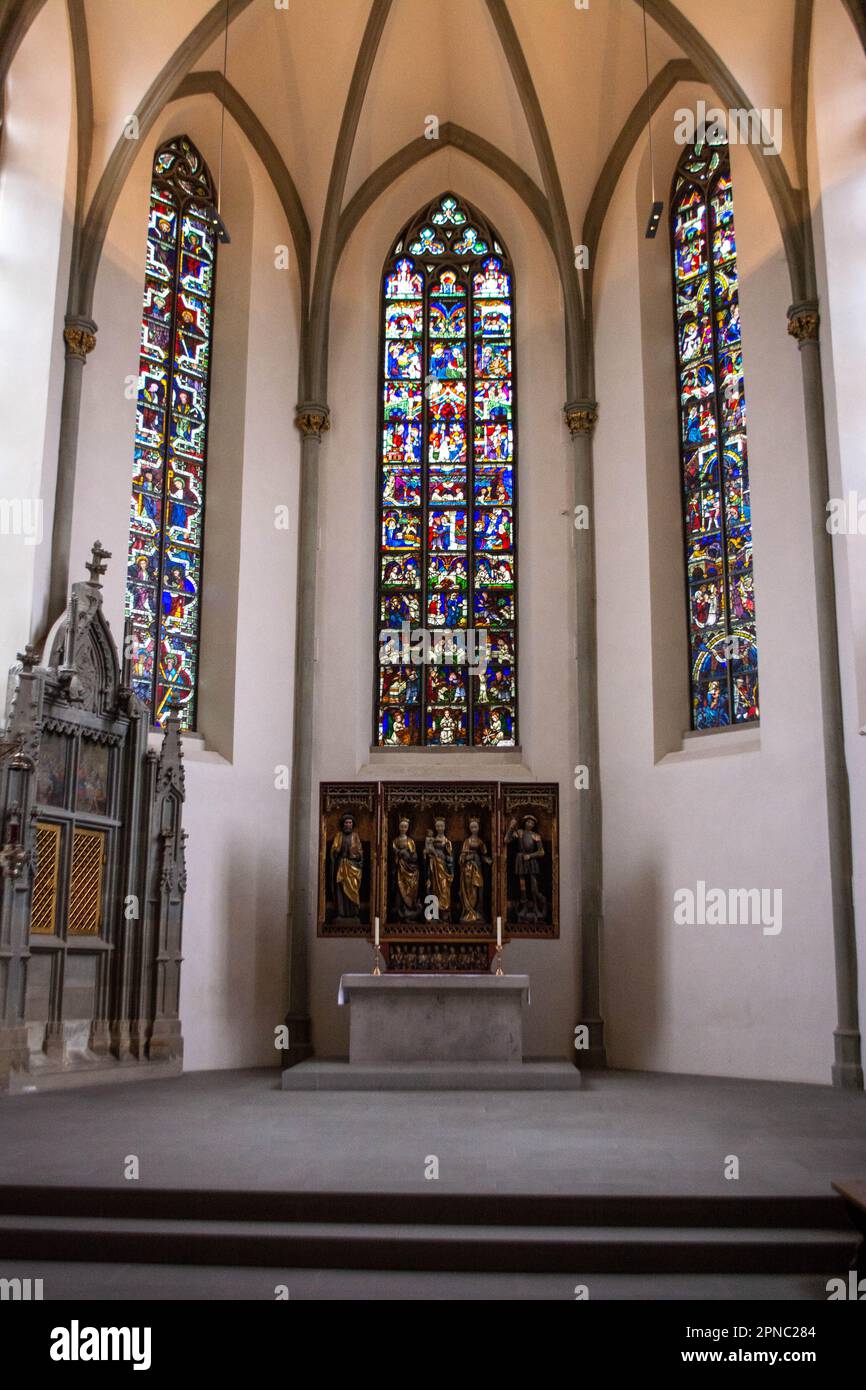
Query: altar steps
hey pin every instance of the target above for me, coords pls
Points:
(429, 1231)
(465, 1248)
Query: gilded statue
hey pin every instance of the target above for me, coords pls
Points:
(472, 856)
(439, 854)
(347, 862)
(407, 873)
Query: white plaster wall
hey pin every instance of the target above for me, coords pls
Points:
(234, 982)
(755, 42)
(293, 66)
(735, 810)
(347, 557)
(129, 43)
(837, 183)
(37, 196)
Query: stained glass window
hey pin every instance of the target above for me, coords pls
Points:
(446, 606)
(164, 577)
(715, 472)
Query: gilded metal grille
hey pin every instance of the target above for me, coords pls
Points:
(43, 909)
(85, 883)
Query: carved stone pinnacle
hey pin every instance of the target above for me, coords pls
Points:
(95, 566)
(29, 657)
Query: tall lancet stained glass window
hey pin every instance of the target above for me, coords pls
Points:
(164, 578)
(446, 606)
(715, 471)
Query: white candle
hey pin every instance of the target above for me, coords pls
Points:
(376, 936)
(499, 933)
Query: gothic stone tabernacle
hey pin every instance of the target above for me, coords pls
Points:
(93, 867)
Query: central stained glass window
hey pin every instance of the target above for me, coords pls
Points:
(446, 621)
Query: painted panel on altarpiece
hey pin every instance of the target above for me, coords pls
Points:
(529, 862)
(348, 838)
(437, 866)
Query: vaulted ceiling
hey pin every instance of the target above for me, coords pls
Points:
(546, 91)
(294, 67)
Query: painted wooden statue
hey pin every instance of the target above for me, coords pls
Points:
(347, 860)
(439, 854)
(407, 873)
(472, 856)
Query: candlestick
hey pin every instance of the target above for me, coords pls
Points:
(376, 970)
(499, 933)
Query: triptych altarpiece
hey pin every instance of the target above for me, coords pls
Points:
(438, 863)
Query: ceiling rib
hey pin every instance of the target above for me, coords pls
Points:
(317, 372)
(123, 155)
(522, 78)
(773, 172)
(211, 84)
(84, 125)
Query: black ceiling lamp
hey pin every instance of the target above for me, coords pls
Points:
(657, 208)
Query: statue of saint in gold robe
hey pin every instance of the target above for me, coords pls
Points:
(406, 875)
(472, 856)
(347, 860)
(439, 853)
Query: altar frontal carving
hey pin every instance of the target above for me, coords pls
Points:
(437, 863)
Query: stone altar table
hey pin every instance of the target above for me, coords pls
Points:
(435, 1018)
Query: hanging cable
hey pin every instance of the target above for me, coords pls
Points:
(657, 207)
(222, 230)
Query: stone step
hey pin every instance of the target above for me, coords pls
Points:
(380, 1245)
(313, 1075)
(428, 1206)
(74, 1281)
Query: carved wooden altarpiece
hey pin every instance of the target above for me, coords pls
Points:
(438, 889)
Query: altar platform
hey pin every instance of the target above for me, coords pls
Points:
(435, 1032)
(341, 1075)
(626, 1133)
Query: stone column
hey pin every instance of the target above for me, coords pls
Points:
(80, 338)
(312, 419)
(847, 1072)
(581, 418)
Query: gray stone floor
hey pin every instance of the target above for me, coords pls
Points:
(625, 1132)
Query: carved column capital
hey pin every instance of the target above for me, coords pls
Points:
(312, 418)
(803, 320)
(581, 416)
(79, 336)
